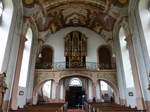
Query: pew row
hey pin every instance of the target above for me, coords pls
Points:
(50, 107)
(108, 107)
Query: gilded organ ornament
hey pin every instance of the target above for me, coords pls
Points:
(75, 50)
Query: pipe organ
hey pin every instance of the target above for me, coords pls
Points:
(75, 50)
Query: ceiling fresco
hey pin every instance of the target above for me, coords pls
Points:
(97, 15)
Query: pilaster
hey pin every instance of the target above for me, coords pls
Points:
(139, 98)
(17, 73)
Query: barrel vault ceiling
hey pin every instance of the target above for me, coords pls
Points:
(97, 15)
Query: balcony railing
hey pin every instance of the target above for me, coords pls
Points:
(88, 66)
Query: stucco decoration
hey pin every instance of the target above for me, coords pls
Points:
(97, 15)
(43, 75)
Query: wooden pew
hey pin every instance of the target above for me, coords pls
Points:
(108, 107)
(50, 107)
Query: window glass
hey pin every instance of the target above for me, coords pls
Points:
(75, 82)
(1, 9)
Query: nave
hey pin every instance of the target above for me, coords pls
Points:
(58, 52)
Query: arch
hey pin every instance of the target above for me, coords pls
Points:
(76, 75)
(75, 82)
(36, 88)
(108, 47)
(114, 87)
(45, 57)
(104, 57)
(84, 85)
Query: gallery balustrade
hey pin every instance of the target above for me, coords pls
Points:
(88, 66)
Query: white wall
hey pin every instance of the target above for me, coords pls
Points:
(131, 100)
(57, 42)
(145, 20)
(21, 99)
(5, 27)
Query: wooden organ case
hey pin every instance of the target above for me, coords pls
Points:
(75, 50)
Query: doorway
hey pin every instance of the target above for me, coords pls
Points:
(74, 97)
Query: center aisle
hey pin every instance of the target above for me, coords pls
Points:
(75, 110)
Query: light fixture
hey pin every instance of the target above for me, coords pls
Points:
(113, 55)
(40, 55)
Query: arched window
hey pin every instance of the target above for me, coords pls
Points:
(126, 59)
(25, 59)
(47, 89)
(75, 82)
(1, 10)
(45, 58)
(106, 91)
(104, 57)
(104, 86)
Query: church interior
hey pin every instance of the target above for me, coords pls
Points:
(74, 56)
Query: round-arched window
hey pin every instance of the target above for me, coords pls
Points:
(1, 10)
(75, 82)
(104, 57)
(45, 58)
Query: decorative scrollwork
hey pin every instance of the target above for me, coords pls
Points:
(3, 85)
